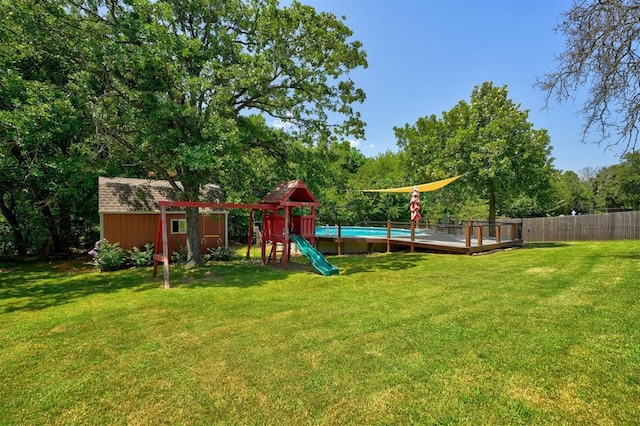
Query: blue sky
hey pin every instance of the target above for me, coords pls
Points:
(426, 55)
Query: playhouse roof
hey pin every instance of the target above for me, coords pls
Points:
(292, 193)
(120, 195)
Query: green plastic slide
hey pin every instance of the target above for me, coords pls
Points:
(317, 259)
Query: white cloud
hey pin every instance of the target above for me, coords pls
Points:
(281, 124)
(359, 143)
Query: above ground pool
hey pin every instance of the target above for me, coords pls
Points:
(360, 232)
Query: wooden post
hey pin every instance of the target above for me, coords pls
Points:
(285, 249)
(513, 231)
(339, 238)
(388, 236)
(249, 232)
(263, 245)
(479, 235)
(165, 245)
(274, 252)
(467, 236)
(313, 226)
(413, 236)
(157, 257)
(498, 228)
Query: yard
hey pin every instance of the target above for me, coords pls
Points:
(547, 334)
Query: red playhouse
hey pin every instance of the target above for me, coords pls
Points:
(280, 226)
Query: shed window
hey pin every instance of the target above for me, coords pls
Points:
(178, 226)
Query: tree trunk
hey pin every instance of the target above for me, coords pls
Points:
(12, 220)
(64, 229)
(194, 257)
(53, 229)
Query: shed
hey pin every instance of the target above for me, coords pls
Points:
(129, 214)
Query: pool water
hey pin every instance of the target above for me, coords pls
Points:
(360, 231)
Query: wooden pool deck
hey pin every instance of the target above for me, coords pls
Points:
(451, 240)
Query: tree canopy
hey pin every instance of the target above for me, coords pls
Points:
(171, 84)
(42, 166)
(618, 186)
(601, 53)
(490, 140)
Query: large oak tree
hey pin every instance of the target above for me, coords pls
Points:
(490, 140)
(172, 83)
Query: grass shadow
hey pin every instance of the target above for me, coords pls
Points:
(619, 256)
(544, 245)
(361, 264)
(623, 256)
(236, 273)
(35, 285)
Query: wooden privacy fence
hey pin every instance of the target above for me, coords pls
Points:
(592, 227)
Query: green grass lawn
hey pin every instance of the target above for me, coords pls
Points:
(548, 334)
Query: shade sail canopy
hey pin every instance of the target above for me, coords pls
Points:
(425, 187)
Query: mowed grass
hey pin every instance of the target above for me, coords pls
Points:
(548, 334)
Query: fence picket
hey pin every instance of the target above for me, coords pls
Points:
(593, 227)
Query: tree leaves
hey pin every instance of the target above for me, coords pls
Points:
(490, 140)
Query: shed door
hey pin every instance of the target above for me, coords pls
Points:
(212, 231)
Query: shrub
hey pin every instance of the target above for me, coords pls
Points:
(218, 254)
(141, 258)
(179, 256)
(107, 256)
(7, 248)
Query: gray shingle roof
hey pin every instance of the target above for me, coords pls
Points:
(141, 195)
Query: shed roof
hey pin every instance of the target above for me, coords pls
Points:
(292, 193)
(121, 195)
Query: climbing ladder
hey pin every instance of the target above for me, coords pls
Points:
(278, 248)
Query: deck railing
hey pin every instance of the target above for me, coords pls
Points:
(481, 231)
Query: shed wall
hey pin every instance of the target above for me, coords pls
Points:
(135, 230)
